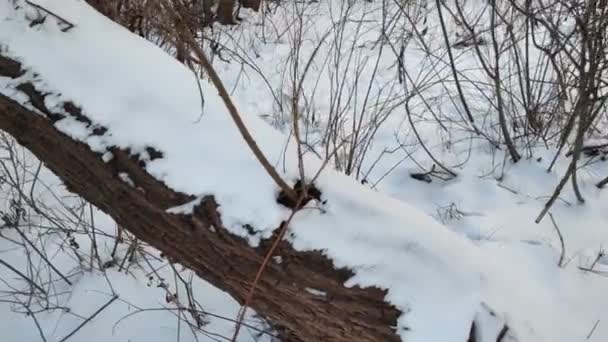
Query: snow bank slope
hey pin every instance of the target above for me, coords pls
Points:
(439, 279)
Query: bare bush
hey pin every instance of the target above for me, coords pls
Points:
(51, 239)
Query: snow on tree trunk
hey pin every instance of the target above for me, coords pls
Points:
(329, 312)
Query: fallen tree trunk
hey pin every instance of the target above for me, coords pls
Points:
(199, 241)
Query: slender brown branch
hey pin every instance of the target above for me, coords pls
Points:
(187, 37)
(258, 276)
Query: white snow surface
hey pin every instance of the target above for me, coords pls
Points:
(438, 276)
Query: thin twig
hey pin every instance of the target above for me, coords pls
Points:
(115, 297)
(185, 35)
(201, 95)
(31, 313)
(258, 276)
(561, 241)
(68, 24)
(31, 282)
(602, 183)
(556, 194)
(593, 329)
(43, 256)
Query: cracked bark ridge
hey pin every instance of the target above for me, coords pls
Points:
(225, 260)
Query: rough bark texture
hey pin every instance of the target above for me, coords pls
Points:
(253, 4)
(201, 12)
(225, 12)
(226, 261)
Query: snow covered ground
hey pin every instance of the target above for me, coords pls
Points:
(444, 250)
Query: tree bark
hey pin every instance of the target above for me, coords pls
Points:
(253, 4)
(199, 241)
(225, 12)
